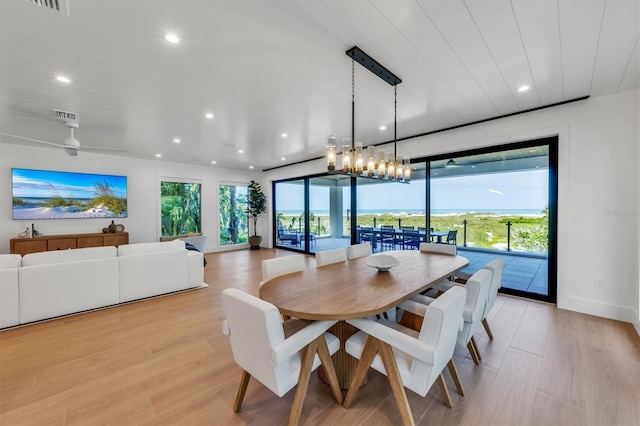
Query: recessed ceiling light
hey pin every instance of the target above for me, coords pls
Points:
(172, 38)
(63, 79)
(209, 115)
(251, 167)
(158, 155)
(214, 162)
(523, 88)
(240, 151)
(282, 158)
(176, 140)
(284, 135)
(532, 150)
(383, 127)
(473, 167)
(435, 173)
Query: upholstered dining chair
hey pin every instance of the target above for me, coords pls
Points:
(439, 248)
(356, 251)
(327, 257)
(409, 358)
(262, 350)
(477, 295)
(272, 268)
(496, 267)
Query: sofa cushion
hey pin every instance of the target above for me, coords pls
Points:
(10, 261)
(72, 255)
(51, 290)
(145, 248)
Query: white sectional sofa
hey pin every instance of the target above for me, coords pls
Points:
(54, 283)
(9, 310)
(148, 269)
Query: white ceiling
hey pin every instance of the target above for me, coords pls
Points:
(268, 67)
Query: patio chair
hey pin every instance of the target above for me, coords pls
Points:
(452, 237)
(284, 236)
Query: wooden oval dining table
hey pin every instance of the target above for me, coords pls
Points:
(352, 289)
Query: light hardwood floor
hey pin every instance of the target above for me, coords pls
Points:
(165, 361)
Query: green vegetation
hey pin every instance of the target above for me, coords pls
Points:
(106, 196)
(233, 215)
(18, 202)
(256, 204)
(180, 208)
(528, 233)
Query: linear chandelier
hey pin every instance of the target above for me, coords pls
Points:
(369, 163)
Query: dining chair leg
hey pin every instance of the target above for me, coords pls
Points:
(329, 369)
(475, 346)
(456, 377)
(444, 390)
(307, 355)
(472, 352)
(368, 353)
(393, 375)
(244, 381)
(485, 323)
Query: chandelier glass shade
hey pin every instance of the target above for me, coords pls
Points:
(368, 162)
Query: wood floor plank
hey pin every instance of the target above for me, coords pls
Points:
(511, 397)
(504, 326)
(531, 335)
(165, 361)
(562, 375)
(477, 381)
(549, 411)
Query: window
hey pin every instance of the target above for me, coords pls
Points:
(180, 207)
(234, 227)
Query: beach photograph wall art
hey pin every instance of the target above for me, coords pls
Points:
(44, 194)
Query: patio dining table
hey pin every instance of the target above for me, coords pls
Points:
(377, 232)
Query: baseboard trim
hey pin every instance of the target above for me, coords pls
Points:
(600, 309)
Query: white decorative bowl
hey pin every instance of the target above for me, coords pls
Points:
(382, 262)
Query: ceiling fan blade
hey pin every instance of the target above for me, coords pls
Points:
(71, 151)
(32, 140)
(102, 148)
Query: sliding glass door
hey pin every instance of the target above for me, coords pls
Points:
(500, 203)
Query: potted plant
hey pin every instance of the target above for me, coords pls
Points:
(256, 205)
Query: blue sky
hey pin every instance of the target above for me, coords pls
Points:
(39, 183)
(513, 190)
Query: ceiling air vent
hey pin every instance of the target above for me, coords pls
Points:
(61, 6)
(67, 116)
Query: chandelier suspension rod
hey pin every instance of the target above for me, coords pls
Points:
(353, 106)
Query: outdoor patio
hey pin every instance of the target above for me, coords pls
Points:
(522, 271)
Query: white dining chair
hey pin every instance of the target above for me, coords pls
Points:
(477, 295)
(409, 358)
(327, 257)
(438, 248)
(262, 350)
(496, 267)
(278, 266)
(356, 251)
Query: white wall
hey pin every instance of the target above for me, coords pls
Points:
(598, 227)
(143, 178)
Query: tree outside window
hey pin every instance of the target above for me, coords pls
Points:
(180, 208)
(234, 227)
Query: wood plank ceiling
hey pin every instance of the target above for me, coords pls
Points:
(265, 68)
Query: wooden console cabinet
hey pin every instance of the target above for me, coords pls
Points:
(63, 242)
